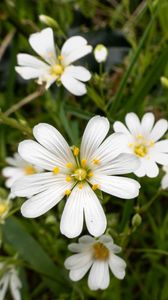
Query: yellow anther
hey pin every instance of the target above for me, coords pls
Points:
(68, 178)
(130, 145)
(100, 251)
(141, 150)
(139, 136)
(83, 163)
(76, 151)
(96, 161)
(80, 186)
(69, 165)
(56, 170)
(60, 57)
(3, 208)
(56, 70)
(90, 174)
(151, 143)
(29, 170)
(95, 187)
(67, 192)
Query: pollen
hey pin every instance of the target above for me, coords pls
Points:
(57, 70)
(95, 187)
(56, 170)
(83, 163)
(68, 178)
(90, 174)
(29, 170)
(76, 151)
(67, 192)
(80, 186)
(60, 57)
(141, 150)
(69, 165)
(100, 251)
(96, 161)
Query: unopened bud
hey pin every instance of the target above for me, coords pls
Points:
(48, 21)
(100, 53)
(164, 81)
(136, 220)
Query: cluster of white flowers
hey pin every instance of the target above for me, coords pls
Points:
(47, 170)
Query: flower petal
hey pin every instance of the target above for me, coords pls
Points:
(94, 215)
(148, 167)
(122, 164)
(27, 60)
(99, 276)
(78, 260)
(78, 72)
(50, 138)
(160, 158)
(79, 273)
(72, 216)
(75, 48)
(120, 128)
(36, 154)
(121, 187)
(4, 281)
(164, 182)
(161, 146)
(147, 123)
(29, 73)
(159, 130)
(73, 85)
(133, 123)
(30, 185)
(15, 285)
(117, 266)
(95, 132)
(43, 43)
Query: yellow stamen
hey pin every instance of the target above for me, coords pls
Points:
(151, 143)
(3, 208)
(60, 57)
(83, 163)
(56, 70)
(76, 151)
(139, 136)
(95, 187)
(131, 145)
(69, 165)
(56, 170)
(100, 251)
(29, 170)
(67, 192)
(80, 186)
(68, 178)
(90, 174)
(141, 150)
(96, 161)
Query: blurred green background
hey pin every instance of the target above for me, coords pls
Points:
(136, 35)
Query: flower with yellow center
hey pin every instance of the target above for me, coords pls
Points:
(142, 140)
(17, 169)
(97, 255)
(56, 68)
(76, 173)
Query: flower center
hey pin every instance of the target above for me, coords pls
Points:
(29, 170)
(3, 208)
(57, 70)
(141, 150)
(141, 146)
(100, 251)
(80, 174)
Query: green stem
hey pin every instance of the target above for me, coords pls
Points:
(15, 124)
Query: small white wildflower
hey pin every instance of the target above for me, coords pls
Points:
(17, 168)
(100, 53)
(57, 67)
(99, 255)
(164, 182)
(10, 279)
(77, 174)
(143, 141)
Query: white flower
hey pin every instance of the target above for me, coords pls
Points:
(77, 174)
(142, 141)
(17, 168)
(99, 255)
(100, 53)
(164, 182)
(56, 67)
(10, 279)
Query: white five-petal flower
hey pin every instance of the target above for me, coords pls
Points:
(143, 141)
(10, 279)
(17, 168)
(76, 173)
(164, 182)
(56, 67)
(99, 255)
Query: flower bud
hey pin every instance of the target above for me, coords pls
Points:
(100, 53)
(164, 81)
(136, 220)
(48, 21)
